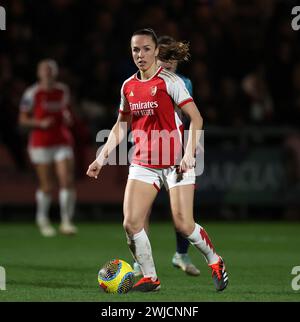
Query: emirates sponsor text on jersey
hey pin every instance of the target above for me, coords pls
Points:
(143, 105)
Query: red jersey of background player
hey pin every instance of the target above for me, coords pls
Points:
(42, 104)
(152, 104)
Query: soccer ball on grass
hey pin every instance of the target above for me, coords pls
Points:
(116, 276)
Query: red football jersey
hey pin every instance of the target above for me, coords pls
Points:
(156, 126)
(44, 103)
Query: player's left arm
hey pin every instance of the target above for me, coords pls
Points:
(196, 123)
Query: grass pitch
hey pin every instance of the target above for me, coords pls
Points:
(259, 257)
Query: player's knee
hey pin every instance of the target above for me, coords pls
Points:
(131, 227)
(184, 227)
(48, 189)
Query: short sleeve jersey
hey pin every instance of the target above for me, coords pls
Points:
(42, 103)
(156, 127)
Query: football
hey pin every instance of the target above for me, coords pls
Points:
(116, 276)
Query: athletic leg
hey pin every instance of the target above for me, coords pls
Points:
(182, 244)
(138, 200)
(43, 198)
(136, 267)
(67, 196)
(182, 199)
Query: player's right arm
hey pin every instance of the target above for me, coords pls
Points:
(116, 135)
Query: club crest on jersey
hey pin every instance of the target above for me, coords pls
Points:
(131, 93)
(153, 90)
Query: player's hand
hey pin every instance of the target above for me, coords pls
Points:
(94, 169)
(188, 162)
(46, 123)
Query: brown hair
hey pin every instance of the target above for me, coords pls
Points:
(170, 49)
(148, 32)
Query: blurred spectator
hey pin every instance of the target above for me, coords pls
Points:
(259, 103)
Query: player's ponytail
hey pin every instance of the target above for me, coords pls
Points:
(170, 49)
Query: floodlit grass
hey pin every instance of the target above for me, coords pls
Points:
(259, 257)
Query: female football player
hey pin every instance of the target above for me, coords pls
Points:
(148, 102)
(181, 259)
(44, 108)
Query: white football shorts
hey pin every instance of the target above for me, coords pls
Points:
(51, 154)
(162, 177)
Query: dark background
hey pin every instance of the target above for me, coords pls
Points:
(245, 69)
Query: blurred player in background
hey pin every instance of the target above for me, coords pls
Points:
(149, 100)
(44, 109)
(181, 259)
